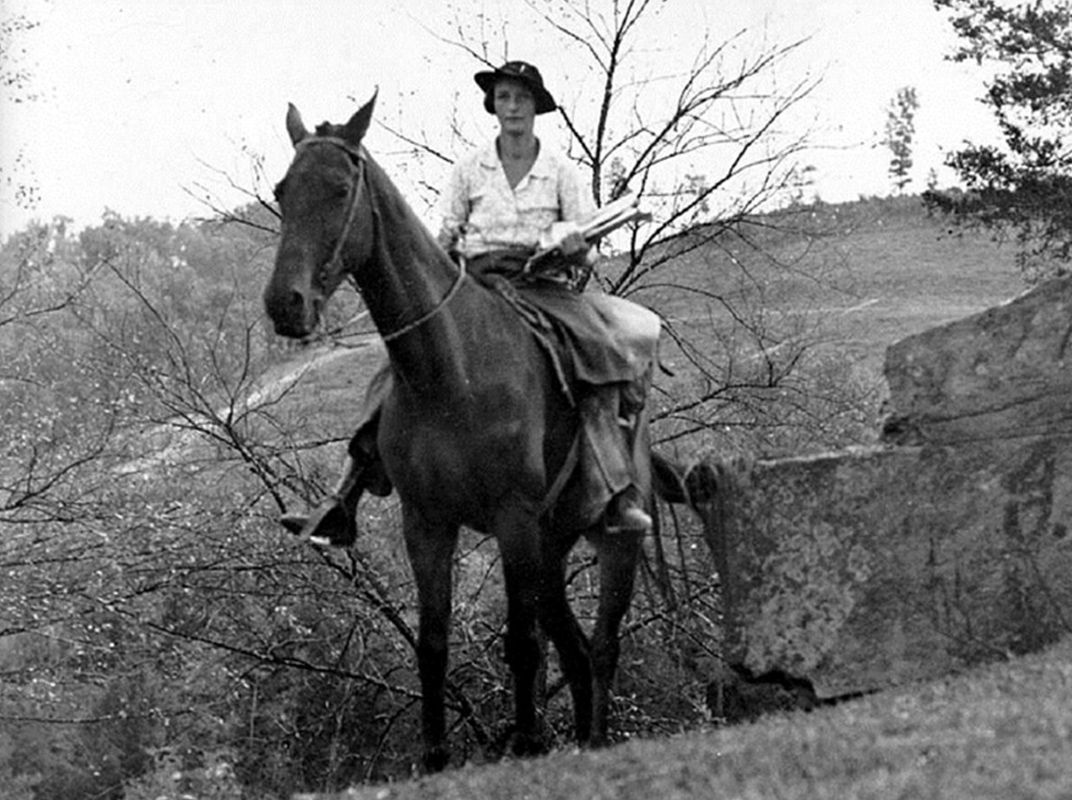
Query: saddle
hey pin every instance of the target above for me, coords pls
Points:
(590, 337)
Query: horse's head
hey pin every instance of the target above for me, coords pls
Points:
(324, 222)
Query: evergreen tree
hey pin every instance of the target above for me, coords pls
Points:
(1023, 188)
(900, 131)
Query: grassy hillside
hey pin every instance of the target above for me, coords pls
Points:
(854, 279)
(1000, 732)
(868, 273)
(907, 273)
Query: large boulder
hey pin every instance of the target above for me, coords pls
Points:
(947, 545)
(1002, 373)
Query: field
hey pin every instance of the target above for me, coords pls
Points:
(863, 276)
(868, 274)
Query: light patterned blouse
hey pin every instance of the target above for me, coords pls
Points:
(481, 209)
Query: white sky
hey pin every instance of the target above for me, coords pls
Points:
(145, 100)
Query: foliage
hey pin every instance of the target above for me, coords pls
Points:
(900, 131)
(694, 132)
(129, 337)
(16, 86)
(1022, 189)
(16, 76)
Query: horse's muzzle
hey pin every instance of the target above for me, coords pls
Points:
(293, 313)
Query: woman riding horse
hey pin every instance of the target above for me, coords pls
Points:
(504, 201)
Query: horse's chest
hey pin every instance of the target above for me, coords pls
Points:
(448, 448)
(485, 457)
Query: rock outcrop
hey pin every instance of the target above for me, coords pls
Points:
(948, 544)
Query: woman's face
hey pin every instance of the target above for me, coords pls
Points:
(514, 106)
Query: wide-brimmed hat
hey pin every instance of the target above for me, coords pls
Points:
(519, 71)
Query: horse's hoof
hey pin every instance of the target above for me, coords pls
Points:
(328, 526)
(334, 526)
(435, 760)
(294, 522)
(525, 745)
(598, 742)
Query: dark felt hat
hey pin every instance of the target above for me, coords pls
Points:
(518, 71)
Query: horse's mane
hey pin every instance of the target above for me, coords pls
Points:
(395, 197)
(329, 129)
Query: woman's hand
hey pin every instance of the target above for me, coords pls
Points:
(565, 237)
(572, 243)
(448, 238)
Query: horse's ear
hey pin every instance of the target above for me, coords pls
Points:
(295, 126)
(354, 130)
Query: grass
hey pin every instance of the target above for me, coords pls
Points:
(870, 273)
(1003, 731)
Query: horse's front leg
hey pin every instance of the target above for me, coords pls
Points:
(618, 554)
(431, 551)
(518, 538)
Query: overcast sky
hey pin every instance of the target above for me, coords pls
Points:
(144, 102)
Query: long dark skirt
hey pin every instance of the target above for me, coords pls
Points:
(605, 339)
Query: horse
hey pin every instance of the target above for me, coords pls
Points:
(477, 429)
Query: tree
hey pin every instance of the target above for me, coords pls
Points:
(1023, 189)
(16, 86)
(695, 129)
(152, 612)
(703, 128)
(900, 131)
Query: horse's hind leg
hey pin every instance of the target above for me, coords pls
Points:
(618, 553)
(431, 550)
(561, 626)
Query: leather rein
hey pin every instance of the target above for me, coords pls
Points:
(357, 156)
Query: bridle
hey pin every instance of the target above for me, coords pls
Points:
(357, 156)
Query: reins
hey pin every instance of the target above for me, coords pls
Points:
(357, 157)
(411, 326)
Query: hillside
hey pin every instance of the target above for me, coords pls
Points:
(868, 272)
(858, 278)
(995, 733)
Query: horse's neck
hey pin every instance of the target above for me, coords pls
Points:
(408, 280)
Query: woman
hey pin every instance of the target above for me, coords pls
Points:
(513, 196)
(510, 193)
(505, 201)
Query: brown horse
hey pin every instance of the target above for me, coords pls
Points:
(475, 431)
